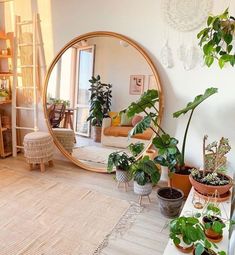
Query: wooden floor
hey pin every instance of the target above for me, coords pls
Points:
(148, 234)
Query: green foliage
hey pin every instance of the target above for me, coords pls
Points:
(120, 160)
(145, 171)
(217, 38)
(100, 101)
(59, 101)
(191, 106)
(197, 100)
(141, 126)
(136, 148)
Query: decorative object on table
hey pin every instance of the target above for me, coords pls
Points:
(122, 162)
(136, 148)
(100, 103)
(186, 15)
(216, 39)
(166, 56)
(198, 201)
(145, 174)
(136, 84)
(212, 181)
(168, 152)
(213, 223)
(38, 149)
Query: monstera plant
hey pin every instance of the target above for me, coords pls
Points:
(216, 39)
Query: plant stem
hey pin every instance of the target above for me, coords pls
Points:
(184, 140)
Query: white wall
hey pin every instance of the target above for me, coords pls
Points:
(115, 63)
(142, 21)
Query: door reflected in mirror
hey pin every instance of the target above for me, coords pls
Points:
(90, 83)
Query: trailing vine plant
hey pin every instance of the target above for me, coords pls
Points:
(216, 39)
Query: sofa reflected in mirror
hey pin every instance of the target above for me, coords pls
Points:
(91, 80)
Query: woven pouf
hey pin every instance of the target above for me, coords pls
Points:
(38, 149)
(66, 137)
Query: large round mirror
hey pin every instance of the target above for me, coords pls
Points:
(92, 79)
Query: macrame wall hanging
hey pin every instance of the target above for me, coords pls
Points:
(184, 16)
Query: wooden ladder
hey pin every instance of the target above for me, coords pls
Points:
(36, 67)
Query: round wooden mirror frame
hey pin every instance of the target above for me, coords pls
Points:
(67, 46)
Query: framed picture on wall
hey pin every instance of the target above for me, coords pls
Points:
(152, 82)
(136, 84)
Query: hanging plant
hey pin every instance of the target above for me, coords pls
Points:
(216, 39)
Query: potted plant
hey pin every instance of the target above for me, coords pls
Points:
(169, 154)
(213, 223)
(145, 174)
(122, 162)
(136, 148)
(185, 232)
(212, 182)
(100, 103)
(217, 39)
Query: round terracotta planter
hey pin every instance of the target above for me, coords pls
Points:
(211, 234)
(181, 181)
(170, 207)
(210, 189)
(185, 249)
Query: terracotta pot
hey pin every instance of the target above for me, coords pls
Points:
(181, 181)
(170, 207)
(151, 153)
(210, 189)
(211, 234)
(97, 134)
(143, 190)
(185, 249)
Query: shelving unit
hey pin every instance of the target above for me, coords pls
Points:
(6, 73)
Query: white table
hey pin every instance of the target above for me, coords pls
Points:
(187, 211)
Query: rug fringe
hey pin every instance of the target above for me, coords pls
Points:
(122, 226)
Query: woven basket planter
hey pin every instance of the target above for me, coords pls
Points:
(122, 176)
(144, 190)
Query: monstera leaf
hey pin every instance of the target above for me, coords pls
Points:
(146, 101)
(197, 100)
(141, 126)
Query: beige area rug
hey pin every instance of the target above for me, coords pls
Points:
(40, 216)
(95, 154)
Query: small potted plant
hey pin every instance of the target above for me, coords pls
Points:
(212, 182)
(100, 103)
(185, 232)
(122, 162)
(145, 174)
(213, 223)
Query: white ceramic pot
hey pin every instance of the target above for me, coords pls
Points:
(122, 176)
(144, 190)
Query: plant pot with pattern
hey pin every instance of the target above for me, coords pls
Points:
(122, 162)
(145, 174)
(100, 103)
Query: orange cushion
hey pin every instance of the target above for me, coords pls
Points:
(123, 132)
(116, 119)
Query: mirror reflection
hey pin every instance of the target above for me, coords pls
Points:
(89, 85)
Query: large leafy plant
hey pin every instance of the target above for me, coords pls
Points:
(169, 154)
(100, 101)
(145, 171)
(217, 39)
(120, 160)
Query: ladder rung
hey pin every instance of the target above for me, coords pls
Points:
(24, 108)
(19, 146)
(26, 128)
(29, 87)
(28, 44)
(25, 22)
(23, 66)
